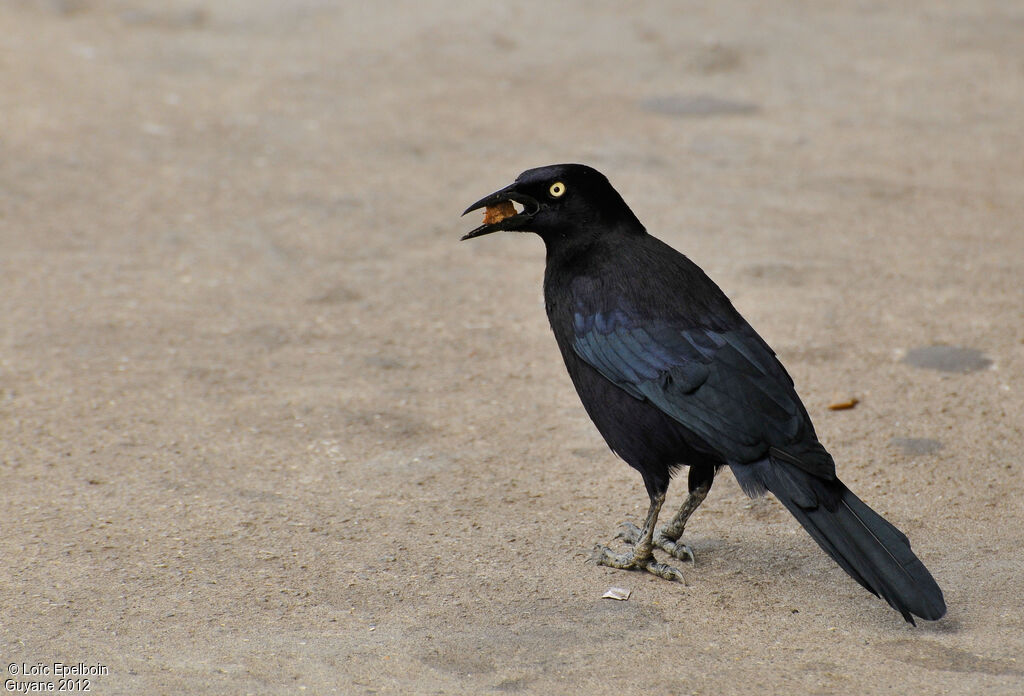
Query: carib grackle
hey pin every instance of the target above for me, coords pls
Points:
(673, 376)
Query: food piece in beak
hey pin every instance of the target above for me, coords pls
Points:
(498, 212)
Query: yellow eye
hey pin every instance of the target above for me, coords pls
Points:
(557, 189)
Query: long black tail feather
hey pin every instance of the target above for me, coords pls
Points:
(870, 549)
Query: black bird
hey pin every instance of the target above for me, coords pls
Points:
(673, 376)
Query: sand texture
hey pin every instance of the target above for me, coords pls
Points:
(268, 427)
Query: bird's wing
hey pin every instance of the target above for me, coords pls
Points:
(724, 386)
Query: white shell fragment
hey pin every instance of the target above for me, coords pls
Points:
(619, 593)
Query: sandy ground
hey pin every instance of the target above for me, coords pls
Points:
(266, 426)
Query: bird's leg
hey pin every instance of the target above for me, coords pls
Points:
(667, 537)
(642, 556)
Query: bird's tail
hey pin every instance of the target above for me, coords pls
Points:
(862, 542)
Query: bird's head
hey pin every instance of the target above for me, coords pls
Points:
(560, 199)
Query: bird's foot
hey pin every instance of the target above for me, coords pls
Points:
(632, 534)
(636, 560)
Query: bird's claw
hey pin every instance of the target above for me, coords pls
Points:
(630, 533)
(677, 550)
(629, 561)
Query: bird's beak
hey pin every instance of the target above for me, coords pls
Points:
(500, 214)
